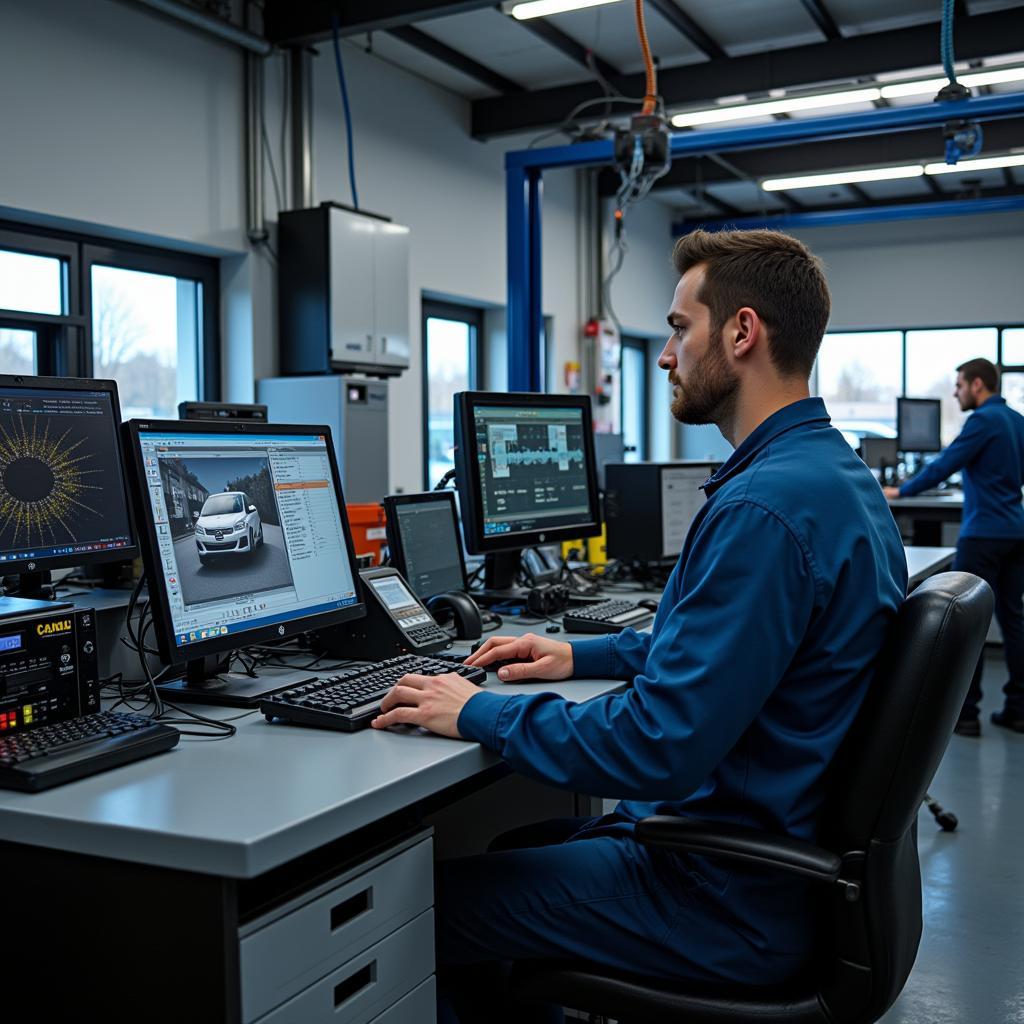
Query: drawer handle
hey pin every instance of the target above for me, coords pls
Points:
(351, 908)
(355, 983)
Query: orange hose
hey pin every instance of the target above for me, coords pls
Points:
(651, 94)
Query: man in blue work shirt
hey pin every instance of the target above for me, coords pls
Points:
(759, 658)
(989, 452)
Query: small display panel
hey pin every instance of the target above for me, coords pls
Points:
(11, 642)
(394, 594)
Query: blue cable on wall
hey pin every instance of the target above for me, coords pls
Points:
(348, 111)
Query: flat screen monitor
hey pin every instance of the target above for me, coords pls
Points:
(244, 536)
(424, 543)
(526, 474)
(878, 451)
(63, 498)
(919, 424)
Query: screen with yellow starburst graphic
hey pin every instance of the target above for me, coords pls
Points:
(61, 487)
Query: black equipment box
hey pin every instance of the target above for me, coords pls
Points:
(221, 411)
(48, 668)
(648, 507)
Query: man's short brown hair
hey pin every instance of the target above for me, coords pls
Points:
(774, 274)
(975, 368)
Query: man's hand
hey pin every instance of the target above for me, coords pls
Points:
(433, 702)
(542, 658)
(891, 493)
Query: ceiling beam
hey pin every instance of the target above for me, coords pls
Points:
(455, 59)
(834, 60)
(919, 146)
(822, 18)
(293, 23)
(565, 44)
(689, 28)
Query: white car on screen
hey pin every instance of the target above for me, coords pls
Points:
(228, 524)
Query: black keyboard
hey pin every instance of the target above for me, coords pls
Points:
(50, 755)
(606, 617)
(351, 699)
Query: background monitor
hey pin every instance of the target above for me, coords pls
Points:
(245, 540)
(919, 424)
(878, 451)
(423, 539)
(526, 473)
(63, 499)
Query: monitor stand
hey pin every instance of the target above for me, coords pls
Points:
(501, 569)
(203, 684)
(34, 594)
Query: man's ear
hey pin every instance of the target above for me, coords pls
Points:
(748, 332)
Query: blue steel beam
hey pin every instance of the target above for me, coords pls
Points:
(523, 169)
(862, 215)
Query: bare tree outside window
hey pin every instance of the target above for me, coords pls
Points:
(17, 351)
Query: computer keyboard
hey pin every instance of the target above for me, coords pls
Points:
(50, 755)
(606, 617)
(351, 699)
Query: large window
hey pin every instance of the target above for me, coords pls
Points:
(859, 374)
(452, 349)
(72, 306)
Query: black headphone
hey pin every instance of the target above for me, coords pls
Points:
(548, 600)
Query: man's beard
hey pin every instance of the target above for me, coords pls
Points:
(710, 393)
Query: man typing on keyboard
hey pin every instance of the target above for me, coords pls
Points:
(758, 661)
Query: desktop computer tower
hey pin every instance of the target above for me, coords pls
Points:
(648, 507)
(354, 408)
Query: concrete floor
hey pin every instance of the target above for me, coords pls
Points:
(970, 967)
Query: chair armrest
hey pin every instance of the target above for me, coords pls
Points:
(740, 843)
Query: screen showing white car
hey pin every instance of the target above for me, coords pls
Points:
(249, 530)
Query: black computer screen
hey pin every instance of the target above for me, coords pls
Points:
(919, 424)
(62, 493)
(431, 552)
(532, 467)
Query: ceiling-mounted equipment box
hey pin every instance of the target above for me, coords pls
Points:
(343, 292)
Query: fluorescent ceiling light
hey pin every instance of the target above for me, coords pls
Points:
(987, 163)
(689, 118)
(842, 178)
(542, 8)
(974, 80)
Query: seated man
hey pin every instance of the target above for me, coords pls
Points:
(758, 661)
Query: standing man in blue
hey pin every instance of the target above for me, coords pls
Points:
(761, 653)
(990, 454)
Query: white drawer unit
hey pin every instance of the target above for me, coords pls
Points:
(370, 984)
(418, 1007)
(307, 940)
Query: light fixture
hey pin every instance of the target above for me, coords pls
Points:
(842, 178)
(542, 8)
(973, 80)
(691, 118)
(985, 163)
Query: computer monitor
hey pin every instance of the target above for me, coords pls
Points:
(245, 540)
(879, 452)
(63, 500)
(526, 474)
(919, 424)
(423, 541)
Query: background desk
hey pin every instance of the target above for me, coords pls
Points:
(150, 892)
(931, 520)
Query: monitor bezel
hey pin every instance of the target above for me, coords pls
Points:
(125, 554)
(392, 503)
(903, 401)
(170, 652)
(468, 480)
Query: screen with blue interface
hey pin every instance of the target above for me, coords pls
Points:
(249, 530)
(533, 471)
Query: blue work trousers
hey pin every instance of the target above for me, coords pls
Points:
(604, 898)
(1000, 563)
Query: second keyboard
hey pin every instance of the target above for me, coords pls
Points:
(606, 617)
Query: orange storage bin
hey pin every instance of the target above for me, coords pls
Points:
(369, 536)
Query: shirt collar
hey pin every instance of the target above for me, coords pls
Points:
(993, 400)
(796, 414)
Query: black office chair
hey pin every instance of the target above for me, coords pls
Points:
(869, 859)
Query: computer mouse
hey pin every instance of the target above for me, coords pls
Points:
(553, 628)
(649, 603)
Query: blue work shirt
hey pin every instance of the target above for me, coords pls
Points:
(990, 454)
(759, 657)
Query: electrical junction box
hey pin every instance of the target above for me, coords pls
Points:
(343, 298)
(356, 410)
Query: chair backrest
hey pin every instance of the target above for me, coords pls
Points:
(879, 780)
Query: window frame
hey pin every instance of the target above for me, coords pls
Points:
(640, 345)
(473, 316)
(64, 342)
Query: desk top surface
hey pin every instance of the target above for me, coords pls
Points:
(241, 806)
(952, 501)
